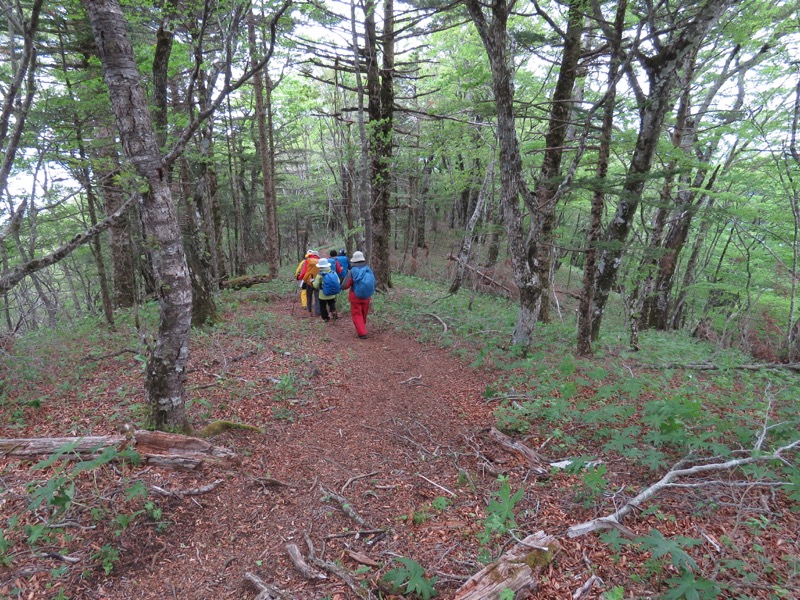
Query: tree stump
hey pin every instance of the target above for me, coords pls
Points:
(517, 569)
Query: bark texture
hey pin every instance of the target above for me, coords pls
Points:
(492, 28)
(166, 365)
(662, 70)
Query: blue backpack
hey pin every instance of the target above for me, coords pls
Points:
(330, 284)
(363, 282)
(345, 264)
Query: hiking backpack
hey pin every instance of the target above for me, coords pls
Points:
(330, 284)
(363, 282)
(343, 265)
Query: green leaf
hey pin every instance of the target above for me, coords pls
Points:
(55, 456)
(690, 587)
(661, 547)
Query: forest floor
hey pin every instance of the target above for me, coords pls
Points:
(396, 427)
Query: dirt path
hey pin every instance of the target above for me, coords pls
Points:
(386, 430)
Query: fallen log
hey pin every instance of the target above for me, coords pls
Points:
(533, 459)
(518, 569)
(481, 274)
(238, 283)
(157, 448)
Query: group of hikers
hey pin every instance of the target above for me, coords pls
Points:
(323, 279)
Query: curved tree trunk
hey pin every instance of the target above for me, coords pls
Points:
(166, 365)
(521, 245)
(662, 70)
(469, 236)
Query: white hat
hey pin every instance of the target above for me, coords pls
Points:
(323, 263)
(358, 256)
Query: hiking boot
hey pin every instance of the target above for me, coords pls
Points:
(363, 337)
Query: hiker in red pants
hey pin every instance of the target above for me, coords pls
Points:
(360, 280)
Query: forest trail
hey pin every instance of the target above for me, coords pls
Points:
(385, 422)
(372, 450)
(386, 427)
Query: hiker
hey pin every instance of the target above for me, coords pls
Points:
(360, 280)
(308, 274)
(342, 264)
(327, 285)
(298, 275)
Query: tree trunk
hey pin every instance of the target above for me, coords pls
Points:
(517, 569)
(662, 70)
(363, 181)
(198, 252)
(558, 125)
(380, 97)
(469, 237)
(585, 308)
(168, 450)
(166, 365)
(521, 245)
(119, 234)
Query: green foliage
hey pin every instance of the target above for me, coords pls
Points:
(107, 556)
(440, 503)
(690, 586)
(500, 517)
(615, 593)
(410, 578)
(5, 546)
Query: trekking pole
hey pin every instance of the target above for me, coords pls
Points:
(296, 295)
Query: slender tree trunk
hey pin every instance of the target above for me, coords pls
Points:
(97, 251)
(469, 236)
(119, 234)
(793, 326)
(558, 126)
(270, 200)
(236, 228)
(166, 365)
(585, 308)
(363, 182)
(662, 71)
(380, 86)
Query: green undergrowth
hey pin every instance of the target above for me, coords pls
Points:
(623, 419)
(619, 421)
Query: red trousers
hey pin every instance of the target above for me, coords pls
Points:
(359, 309)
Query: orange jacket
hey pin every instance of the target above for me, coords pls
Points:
(310, 270)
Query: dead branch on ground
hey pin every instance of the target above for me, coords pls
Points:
(336, 570)
(438, 318)
(302, 566)
(237, 283)
(356, 478)
(265, 591)
(90, 358)
(532, 458)
(183, 493)
(347, 508)
(613, 520)
(482, 275)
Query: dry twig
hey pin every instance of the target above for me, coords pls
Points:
(302, 566)
(266, 591)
